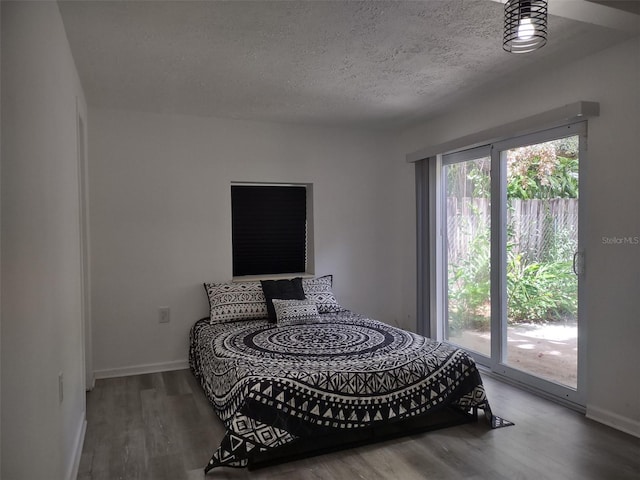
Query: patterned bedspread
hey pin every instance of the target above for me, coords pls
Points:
(273, 384)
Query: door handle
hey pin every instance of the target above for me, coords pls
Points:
(578, 263)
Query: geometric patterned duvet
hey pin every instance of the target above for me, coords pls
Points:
(272, 384)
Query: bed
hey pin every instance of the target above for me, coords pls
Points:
(322, 377)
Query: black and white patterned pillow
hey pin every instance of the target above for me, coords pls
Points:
(319, 290)
(229, 302)
(295, 310)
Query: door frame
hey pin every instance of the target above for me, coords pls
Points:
(85, 257)
(495, 364)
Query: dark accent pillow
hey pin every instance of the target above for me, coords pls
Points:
(282, 290)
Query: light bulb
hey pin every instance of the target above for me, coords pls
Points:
(526, 29)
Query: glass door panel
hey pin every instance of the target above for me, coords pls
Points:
(541, 240)
(467, 251)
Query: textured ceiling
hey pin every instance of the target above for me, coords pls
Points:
(374, 64)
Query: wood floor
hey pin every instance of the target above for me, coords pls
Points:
(160, 426)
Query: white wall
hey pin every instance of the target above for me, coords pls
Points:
(611, 77)
(41, 331)
(161, 221)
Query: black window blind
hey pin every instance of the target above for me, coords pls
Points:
(268, 229)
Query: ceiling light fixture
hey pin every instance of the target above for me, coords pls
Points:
(525, 25)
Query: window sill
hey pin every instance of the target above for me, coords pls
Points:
(274, 276)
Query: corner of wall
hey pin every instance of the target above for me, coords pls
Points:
(611, 419)
(0, 240)
(74, 465)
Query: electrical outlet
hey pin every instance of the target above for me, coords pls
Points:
(163, 314)
(60, 387)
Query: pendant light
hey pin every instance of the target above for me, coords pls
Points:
(525, 25)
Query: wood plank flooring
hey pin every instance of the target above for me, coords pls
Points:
(160, 426)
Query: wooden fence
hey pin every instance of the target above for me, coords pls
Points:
(535, 227)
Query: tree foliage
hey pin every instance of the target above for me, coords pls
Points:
(544, 170)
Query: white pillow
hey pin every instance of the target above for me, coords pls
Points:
(229, 302)
(295, 310)
(319, 290)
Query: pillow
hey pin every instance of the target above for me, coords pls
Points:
(283, 290)
(229, 302)
(319, 290)
(295, 310)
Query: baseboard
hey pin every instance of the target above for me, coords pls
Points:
(91, 384)
(534, 391)
(141, 369)
(624, 424)
(77, 451)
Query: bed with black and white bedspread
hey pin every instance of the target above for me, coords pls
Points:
(273, 384)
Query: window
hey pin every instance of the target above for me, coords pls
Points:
(270, 228)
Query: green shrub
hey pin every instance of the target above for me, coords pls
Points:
(539, 292)
(470, 287)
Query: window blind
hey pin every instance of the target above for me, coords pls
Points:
(268, 229)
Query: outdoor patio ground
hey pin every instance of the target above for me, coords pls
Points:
(549, 351)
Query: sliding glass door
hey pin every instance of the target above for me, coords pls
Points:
(466, 203)
(541, 239)
(510, 260)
